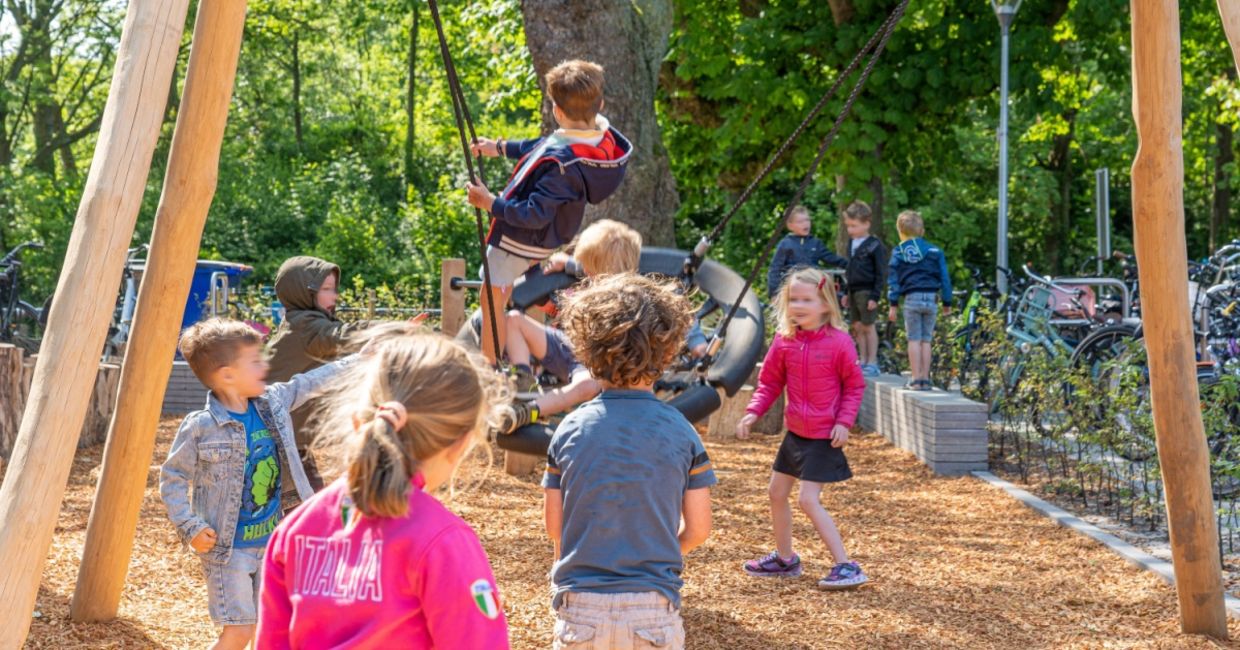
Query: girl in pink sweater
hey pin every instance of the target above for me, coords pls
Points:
(813, 359)
(375, 561)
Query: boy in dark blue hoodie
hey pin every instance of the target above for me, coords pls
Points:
(919, 275)
(542, 206)
(798, 248)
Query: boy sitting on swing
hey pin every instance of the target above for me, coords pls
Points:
(542, 206)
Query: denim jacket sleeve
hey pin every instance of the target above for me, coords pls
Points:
(307, 385)
(175, 475)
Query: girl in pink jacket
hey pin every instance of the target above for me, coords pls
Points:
(813, 359)
(375, 561)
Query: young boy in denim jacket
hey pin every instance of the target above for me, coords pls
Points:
(544, 202)
(622, 472)
(919, 275)
(240, 455)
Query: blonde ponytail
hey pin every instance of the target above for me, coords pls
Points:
(447, 393)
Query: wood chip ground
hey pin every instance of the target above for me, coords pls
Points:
(953, 563)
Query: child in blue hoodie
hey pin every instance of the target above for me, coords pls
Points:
(919, 275)
(542, 206)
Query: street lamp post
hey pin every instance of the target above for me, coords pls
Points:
(1005, 11)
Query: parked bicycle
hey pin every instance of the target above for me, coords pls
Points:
(21, 323)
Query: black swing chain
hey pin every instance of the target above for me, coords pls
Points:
(699, 251)
(464, 121)
(886, 31)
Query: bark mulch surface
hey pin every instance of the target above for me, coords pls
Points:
(953, 564)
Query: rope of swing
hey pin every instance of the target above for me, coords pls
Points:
(884, 33)
(464, 124)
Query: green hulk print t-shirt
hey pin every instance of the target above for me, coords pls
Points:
(260, 491)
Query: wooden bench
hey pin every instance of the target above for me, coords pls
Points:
(943, 429)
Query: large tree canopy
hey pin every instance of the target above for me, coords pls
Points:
(341, 141)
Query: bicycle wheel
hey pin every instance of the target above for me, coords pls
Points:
(26, 330)
(1102, 345)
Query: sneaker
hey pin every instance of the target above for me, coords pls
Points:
(843, 576)
(870, 370)
(773, 566)
(517, 415)
(523, 379)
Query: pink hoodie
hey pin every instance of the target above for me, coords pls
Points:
(819, 369)
(418, 581)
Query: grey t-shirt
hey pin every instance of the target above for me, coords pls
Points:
(624, 461)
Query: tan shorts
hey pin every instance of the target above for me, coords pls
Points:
(506, 268)
(589, 621)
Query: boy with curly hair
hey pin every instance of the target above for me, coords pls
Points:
(622, 471)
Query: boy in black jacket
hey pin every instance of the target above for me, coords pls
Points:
(798, 248)
(865, 274)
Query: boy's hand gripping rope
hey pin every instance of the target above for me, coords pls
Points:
(464, 121)
(883, 34)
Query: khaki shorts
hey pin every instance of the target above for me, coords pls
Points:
(505, 267)
(590, 621)
(858, 307)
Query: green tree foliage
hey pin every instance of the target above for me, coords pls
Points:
(314, 156)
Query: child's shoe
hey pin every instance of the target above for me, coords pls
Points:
(524, 380)
(843, 576)
(773, 566)
(518, 415)
(870, 370)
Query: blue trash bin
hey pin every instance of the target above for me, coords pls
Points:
(208, 292)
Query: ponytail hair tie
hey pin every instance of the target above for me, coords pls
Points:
(822, 283)
(394, 413)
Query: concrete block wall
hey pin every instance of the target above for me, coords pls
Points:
(943, 429)
(185, 393)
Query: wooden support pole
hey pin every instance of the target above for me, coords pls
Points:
(1229, 11)
(189, 185)
(85, 296)
(451, 301)
(1158, 216)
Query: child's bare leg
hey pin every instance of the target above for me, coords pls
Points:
(527, 339)
(234, 637)
(925, 359)
(823, 523)
(781, 512)
(499, 297)
(914, 359)
(871, 344)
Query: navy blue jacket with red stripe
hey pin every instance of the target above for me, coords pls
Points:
(543, 210)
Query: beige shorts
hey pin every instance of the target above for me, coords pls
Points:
(505, 267)
(589, 621)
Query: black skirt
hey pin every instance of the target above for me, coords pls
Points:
(811, 459)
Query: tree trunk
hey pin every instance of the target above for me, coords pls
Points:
(411, 99)
(629, 39)
(842, 11)
(1221, 212)
(296, 74)
(1060, 163)
(877, 196)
